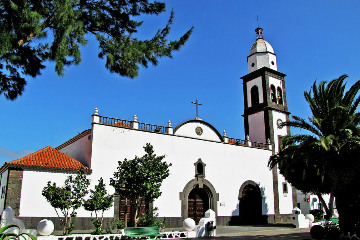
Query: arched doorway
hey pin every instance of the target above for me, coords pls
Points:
(198, 203)
(250, 204)
(198, 196)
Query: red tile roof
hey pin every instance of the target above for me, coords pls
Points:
(74, 139)
(47, 158)
(121, 124)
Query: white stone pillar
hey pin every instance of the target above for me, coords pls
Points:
(135, 123)
(268, 142)
(226, 139)
(169, 128)
(96, 116)
(248, 142)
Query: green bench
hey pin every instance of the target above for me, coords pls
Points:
(138, 232)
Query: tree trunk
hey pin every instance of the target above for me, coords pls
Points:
(133, 212)
(327, 211)
(329, 208)
(348, 207)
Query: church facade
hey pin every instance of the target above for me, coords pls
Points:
(209, 169)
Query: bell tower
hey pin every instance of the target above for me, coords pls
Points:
(265, 110)
(264, 95)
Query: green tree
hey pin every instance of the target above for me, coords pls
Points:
(303, 166)
(68, 198)
(327, 157)
(99, 201)
(140, 179)
(33, 32)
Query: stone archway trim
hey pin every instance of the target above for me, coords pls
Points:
(184, 195)
(249, 182)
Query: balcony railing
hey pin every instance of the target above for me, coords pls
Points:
(161, 129)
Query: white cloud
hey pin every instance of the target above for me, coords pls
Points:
(13, 155)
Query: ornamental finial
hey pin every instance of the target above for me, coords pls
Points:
(259, 32)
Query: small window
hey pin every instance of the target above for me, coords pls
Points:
(3, 189)
(285, 188)
(199, 168)
(279, 95)
(273, 94)
(272, 63)
(253, 64)
(254, 95)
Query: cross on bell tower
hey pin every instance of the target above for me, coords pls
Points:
(197, 109)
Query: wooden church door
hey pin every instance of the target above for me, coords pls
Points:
(198, 204)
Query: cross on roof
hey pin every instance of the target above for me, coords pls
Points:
(197, 108)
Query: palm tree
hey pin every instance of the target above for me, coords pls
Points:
(327, 157)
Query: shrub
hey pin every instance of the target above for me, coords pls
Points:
(150, 218)
(114, 224)
(318, 214)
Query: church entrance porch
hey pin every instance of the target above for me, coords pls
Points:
(250, 204)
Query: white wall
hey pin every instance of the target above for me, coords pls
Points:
(262, 60)
(3, 189)
(227, 166)
(188, 130)
(257, 127)
(80, 150)
(32, 203)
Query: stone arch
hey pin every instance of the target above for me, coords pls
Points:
(206, 187)
(273, 94)
(250, 203)
(279, 95)
(254, 96)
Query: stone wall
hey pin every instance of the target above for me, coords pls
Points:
(13, 192)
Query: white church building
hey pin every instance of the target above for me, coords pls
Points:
(209, 169)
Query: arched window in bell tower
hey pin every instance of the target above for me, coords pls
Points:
(273, 94)
(254, 95)
(279, 95)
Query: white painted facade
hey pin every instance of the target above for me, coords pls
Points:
(257, 127)
(80, 150)
(4, 182)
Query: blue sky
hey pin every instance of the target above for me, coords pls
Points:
(313, 40)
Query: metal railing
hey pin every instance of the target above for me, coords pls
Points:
(152, 127)
(241, 142)
(130, 124)
(115, 122)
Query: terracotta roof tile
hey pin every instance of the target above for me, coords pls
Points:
(74, 139)
(121, 124)
(47, 158)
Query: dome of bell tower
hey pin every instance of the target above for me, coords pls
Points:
(261, 53)
(261, 46)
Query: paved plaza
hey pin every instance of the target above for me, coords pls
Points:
(265, 232)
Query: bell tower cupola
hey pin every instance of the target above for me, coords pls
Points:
(261, 53)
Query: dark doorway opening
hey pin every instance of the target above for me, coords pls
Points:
(198, 204)
(250, 206)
